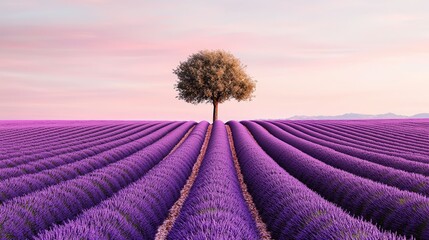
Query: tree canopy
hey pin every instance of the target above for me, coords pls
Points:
(213, 77)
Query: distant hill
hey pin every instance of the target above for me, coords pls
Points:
(421, 115)
(350, 116)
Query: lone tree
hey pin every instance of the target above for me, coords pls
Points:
(213, 77)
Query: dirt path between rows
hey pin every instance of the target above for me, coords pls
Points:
(262, 227)
(174, 212)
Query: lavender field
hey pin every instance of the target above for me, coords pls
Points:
(362, 179)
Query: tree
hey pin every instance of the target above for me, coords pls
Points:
(213, 77)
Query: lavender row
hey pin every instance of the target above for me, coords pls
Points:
(390, 176)
(387, 143)
(336, 140)
(74, 154)
(366, 154)
(215, 207)
(290, 209)
(25, 216)
(18, 186)
(61, 148)
(401, 211)
(136, 212)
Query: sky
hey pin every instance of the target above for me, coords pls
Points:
(105, 59)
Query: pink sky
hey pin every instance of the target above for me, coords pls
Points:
(96, 59)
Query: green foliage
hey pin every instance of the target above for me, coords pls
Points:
(213, 77)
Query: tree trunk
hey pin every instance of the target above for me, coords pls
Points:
(215, 104)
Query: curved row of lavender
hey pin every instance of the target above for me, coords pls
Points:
(215, 207)
(308, 179)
